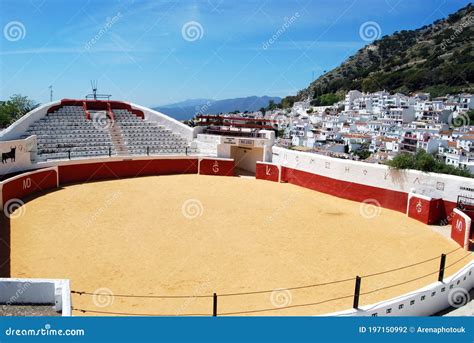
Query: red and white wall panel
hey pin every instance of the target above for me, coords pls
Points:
(26, 184)
(84, 172)
(461, 228)
(425, 209)
(217, 166)
(356, 180)
(267, 171)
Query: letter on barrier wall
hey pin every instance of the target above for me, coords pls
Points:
(425, 209)
(461, 228)
(267, 171)
(21, 186)
(212, 166)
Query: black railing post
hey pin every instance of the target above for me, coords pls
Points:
(148, 150)
(186, 151)
(357, 292)
(69, 154)
(442, 264)
(110, 151)
(214, 305)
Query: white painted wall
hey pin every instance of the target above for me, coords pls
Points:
(24, 154)
(436, 297)
(447, 187)
(14, 291)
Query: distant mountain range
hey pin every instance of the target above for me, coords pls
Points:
(435, 58)
(187, 109)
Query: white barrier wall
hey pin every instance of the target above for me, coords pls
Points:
(17, 155)
(447, 187)
(425, 301)
(15, 291)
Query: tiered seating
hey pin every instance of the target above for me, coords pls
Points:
(144, 137)
(67, 132)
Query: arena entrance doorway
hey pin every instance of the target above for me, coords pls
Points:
(246, 158)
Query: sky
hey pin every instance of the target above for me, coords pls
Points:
(160, 52)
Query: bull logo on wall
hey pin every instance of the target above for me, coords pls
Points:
(9, 155)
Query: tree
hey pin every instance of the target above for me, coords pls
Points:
(426, 162)
(402, 161)
(14, 108)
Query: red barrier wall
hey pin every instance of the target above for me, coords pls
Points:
(266, 171)
(28, 184)
(461, 228)
(122, 169)
(425, 210)
(393, 200)
(212, 166)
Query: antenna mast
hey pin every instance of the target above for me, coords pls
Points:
(94, 94)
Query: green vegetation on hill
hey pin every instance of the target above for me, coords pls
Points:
(426, 162)
(436, 58)
(327, 99)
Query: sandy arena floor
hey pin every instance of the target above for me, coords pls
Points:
(195, 235)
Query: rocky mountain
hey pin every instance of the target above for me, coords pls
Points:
(436, 58)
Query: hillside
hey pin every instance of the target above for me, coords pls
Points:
(189, 108)
(436, 58)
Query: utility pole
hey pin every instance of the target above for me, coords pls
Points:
(51, 93)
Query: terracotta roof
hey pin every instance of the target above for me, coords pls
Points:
(355, 135)
(469, 137)
(446, 132)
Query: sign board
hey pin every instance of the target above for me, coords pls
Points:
(246, 142)
(229, 140)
